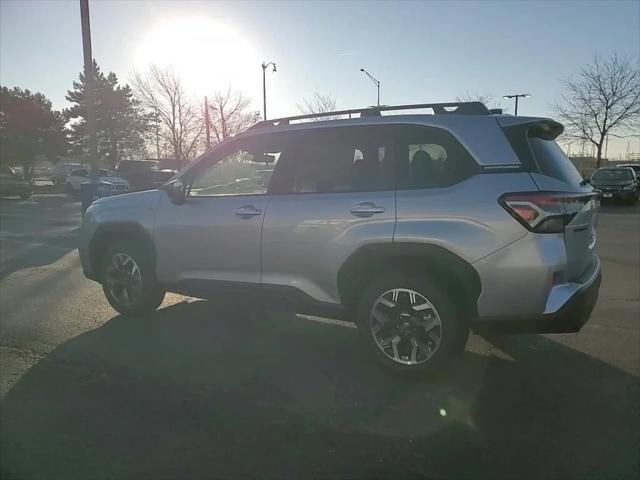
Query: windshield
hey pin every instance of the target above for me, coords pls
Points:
(615, 174)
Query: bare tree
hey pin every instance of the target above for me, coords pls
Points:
(161, 92)
(319, 103)
(488, 100)
(604, 99)
(229, 114)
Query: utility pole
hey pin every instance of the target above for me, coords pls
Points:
(207, 126)
(90, 93)
(157, 122)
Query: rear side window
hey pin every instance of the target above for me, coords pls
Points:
(336, 160)
(540, 154)
(430, 158)
(553, 162)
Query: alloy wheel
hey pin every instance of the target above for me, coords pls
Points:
(405, 326)
(123, 279)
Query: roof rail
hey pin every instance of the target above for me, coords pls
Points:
(452, 108)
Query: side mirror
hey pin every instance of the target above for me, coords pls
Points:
(586, 181)
(176, 191)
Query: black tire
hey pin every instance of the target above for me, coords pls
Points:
(454, 327)
(25, 195)
(150, 295)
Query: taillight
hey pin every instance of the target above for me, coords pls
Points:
(545, 212)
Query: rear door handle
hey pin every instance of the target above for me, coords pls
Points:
(248, 211)
(366, 209)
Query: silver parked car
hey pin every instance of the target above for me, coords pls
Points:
(417, 227)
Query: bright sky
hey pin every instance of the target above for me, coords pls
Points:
(421, 52)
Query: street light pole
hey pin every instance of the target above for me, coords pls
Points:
(90, 93)
(375, 81)
(265, 65)
(517, 96)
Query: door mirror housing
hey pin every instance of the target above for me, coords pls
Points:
(176, 191)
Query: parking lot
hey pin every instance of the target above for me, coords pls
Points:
(202, 390)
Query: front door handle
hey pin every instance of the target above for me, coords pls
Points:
(248, 211)
(366, 209)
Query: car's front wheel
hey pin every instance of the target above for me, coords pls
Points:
(128, 278)
(410, 323)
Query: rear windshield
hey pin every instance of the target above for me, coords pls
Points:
(613, 174)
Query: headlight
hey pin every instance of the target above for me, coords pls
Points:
(629, 187)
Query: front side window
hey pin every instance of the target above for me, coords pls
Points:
(430, 158)
(246, 170)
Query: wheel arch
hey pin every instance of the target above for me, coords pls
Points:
(106, 234)
(440, 263)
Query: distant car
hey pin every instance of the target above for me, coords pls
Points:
(616, 183)
(105, 177)
(160, 177)
(60, 171)
(141, 174)
(12, 184)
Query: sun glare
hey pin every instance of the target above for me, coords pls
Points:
(208, 55)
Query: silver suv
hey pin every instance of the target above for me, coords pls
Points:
(417, 227)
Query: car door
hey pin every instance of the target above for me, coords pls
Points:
(331, 194)
(212, 240)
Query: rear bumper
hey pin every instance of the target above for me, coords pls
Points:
(568, 318)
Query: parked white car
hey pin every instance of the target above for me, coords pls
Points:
(77, 177)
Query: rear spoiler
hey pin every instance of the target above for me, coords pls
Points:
(543, 127)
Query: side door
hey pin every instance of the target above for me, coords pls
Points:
(332, 194)
(212, 240)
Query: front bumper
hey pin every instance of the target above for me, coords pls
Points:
(623, 195)
(568, 318)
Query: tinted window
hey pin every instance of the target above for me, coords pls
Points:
(334, 160)
(105, 173)
(430, 158)
(80, 173)
(553, 162)
(243, 170)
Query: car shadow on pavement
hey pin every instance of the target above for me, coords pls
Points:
(199, 390)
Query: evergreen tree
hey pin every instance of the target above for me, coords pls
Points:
(120, 122)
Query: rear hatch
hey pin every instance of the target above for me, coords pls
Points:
(553, 173)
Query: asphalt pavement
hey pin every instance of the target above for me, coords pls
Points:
(202, 390)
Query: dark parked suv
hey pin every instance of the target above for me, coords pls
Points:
(616, 183)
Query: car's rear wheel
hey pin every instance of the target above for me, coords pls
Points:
(128, 279)
(409, 322)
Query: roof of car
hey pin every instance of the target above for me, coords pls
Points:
(476, 132)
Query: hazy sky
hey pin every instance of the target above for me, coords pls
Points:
(420, 51)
